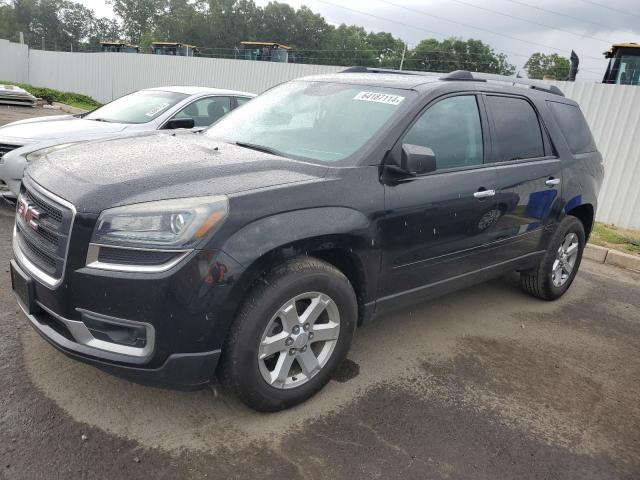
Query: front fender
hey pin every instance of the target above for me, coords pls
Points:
(336, 227)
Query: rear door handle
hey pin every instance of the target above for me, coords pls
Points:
(552, 182)
(484, 193)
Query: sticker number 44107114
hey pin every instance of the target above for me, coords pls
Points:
(379, 98)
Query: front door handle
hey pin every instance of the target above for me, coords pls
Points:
(484, 194)
(552, 182)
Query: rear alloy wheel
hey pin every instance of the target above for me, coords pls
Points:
(292, 332)
(559, 265)
(565, 259)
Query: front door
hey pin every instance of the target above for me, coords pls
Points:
(435, 225)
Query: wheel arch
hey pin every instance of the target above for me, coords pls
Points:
(333, 249)
(585, 213)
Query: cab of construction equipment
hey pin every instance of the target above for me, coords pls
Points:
(624, 64)
(266, 51)
(119, 47)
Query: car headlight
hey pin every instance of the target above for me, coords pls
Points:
(179, 223)
(38, 154)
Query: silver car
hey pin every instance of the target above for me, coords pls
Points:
(151, 109)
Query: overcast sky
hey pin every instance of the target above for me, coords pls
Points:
(515, 27)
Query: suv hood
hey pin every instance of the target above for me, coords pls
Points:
(59, 127)
(102, 174)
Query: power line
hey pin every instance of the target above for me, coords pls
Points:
(447, 20)
(517, 2)
(497, 12)
(438, 33)
(608, 7)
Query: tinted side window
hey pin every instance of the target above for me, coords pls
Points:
(242, 100)
(517, 129)
(574, 127)
(452, 129)
(206, 110)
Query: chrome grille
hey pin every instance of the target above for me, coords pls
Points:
(6, 148)
(43, 227)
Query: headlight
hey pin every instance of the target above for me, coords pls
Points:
(179, 223)
(38, 154)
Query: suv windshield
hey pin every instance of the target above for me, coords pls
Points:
(137, 107)
(325, 122)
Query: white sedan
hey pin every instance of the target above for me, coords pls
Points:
(145, 110)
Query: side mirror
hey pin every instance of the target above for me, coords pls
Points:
(417, 160)
(179, 123)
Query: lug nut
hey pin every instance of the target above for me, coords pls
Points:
(292, 351)
(296, 329)
(310, 335)
(303, 349)
(306, 327)
(288, 341)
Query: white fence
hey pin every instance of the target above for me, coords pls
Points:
(14, 61)
(613, 111)
(106, 76)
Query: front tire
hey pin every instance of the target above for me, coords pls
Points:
(292, 332)
(556, 271)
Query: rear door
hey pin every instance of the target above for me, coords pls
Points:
(435, 224)
(529, 175)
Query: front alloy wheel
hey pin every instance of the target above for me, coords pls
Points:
(291, 333)
(299, 340)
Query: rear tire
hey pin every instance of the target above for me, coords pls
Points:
(293, 330)
(559, 265)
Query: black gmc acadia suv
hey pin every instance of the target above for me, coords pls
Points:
(252, 251)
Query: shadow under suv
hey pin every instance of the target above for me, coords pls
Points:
(252, 251)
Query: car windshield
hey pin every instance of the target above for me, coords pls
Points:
(137, 107)
(316, 121)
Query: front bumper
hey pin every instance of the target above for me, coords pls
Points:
(188, 371)
(185, 313)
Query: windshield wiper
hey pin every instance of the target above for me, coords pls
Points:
(260, 148)
(99, 120)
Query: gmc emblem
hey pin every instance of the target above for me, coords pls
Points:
(28, 213)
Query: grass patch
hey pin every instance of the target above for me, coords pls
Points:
(49, 94)
(614, 237)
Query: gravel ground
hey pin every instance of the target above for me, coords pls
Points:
(486, 383)
(12, 113)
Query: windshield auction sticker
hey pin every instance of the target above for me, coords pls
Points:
(379, 98)
(156, 110)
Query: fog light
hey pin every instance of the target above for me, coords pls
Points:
(114, 331)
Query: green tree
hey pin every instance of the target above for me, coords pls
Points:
(9, 29)
(540, 64)
(138, 16)
(457, 54)
(104, 29)
(77, 22)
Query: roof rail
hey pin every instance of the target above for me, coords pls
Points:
(359, 69)
(465, 76)
(483, 77)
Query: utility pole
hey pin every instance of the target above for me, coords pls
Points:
(404, 51)
(71, 46)
(43, 44)
(21, 38)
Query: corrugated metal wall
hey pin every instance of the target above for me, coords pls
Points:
(14, 61)
(105, 76)
(613, 111)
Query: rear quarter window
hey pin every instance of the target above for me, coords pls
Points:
(574, 127)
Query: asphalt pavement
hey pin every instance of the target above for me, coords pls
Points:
(486, 383)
